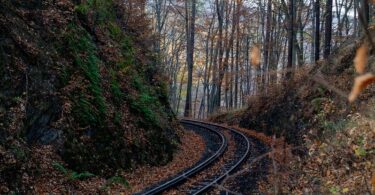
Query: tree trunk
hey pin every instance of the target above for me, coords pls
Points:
(190, 57)
(317, 30)
(328, 29)
(218, 58)
(290, 39)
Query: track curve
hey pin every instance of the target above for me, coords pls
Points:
(237, 162)
(242, 153)
(193, 170)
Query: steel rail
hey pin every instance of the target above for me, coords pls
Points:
(190, 172)
(228, 172)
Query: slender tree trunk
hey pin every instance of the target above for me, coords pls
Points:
(239, 3)
(196, 97)
(180, 91)
(356, 6)
(290, 39)
(206, 72)
(190, 58)
(218, 58)
(267, 43)
(317, 30)
(328, 29)
(366, 11)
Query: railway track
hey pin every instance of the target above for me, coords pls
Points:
(226, 151)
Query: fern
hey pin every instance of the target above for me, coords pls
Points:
(116, 180)
(80, 176)
(72, 175)
(119, 180)
(58, 166)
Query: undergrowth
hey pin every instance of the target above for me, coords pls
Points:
(72, 175)
(115, 180)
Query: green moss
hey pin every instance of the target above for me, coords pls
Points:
(146, 103)
(137, 83)
(117, 118)
(103, 9)
(91, 110)
(19, 153)
(114, 31)
(85, 112)
(317, 103)
(83, 8)
(127, 51)
(65, 75)
(90, 106)
(118, 95)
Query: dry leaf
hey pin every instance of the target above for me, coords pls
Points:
(360, 83)
(373, 183)
(361, 59)
(255, 56)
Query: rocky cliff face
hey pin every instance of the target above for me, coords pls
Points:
(79, 75)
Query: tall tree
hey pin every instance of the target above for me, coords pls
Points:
(239, 4)
(328, 29)
(190, 33)
(317, 29)
(364, 14)
(218, 59)
(267, 42)
(160, 17)
(291, 35)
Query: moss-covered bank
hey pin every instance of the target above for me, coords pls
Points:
(75, 75)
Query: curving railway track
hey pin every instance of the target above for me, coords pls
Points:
(226, 151)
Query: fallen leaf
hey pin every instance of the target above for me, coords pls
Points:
(255, 56)
(361, 59)
(360, 83)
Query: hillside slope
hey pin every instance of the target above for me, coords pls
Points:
(290, 109)
(79, 75)
(332, 139)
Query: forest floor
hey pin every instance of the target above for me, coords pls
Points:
(190, 151)
(57, 179)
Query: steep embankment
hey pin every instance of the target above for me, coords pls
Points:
(79, 75)
(335, 137)
(292, 109)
